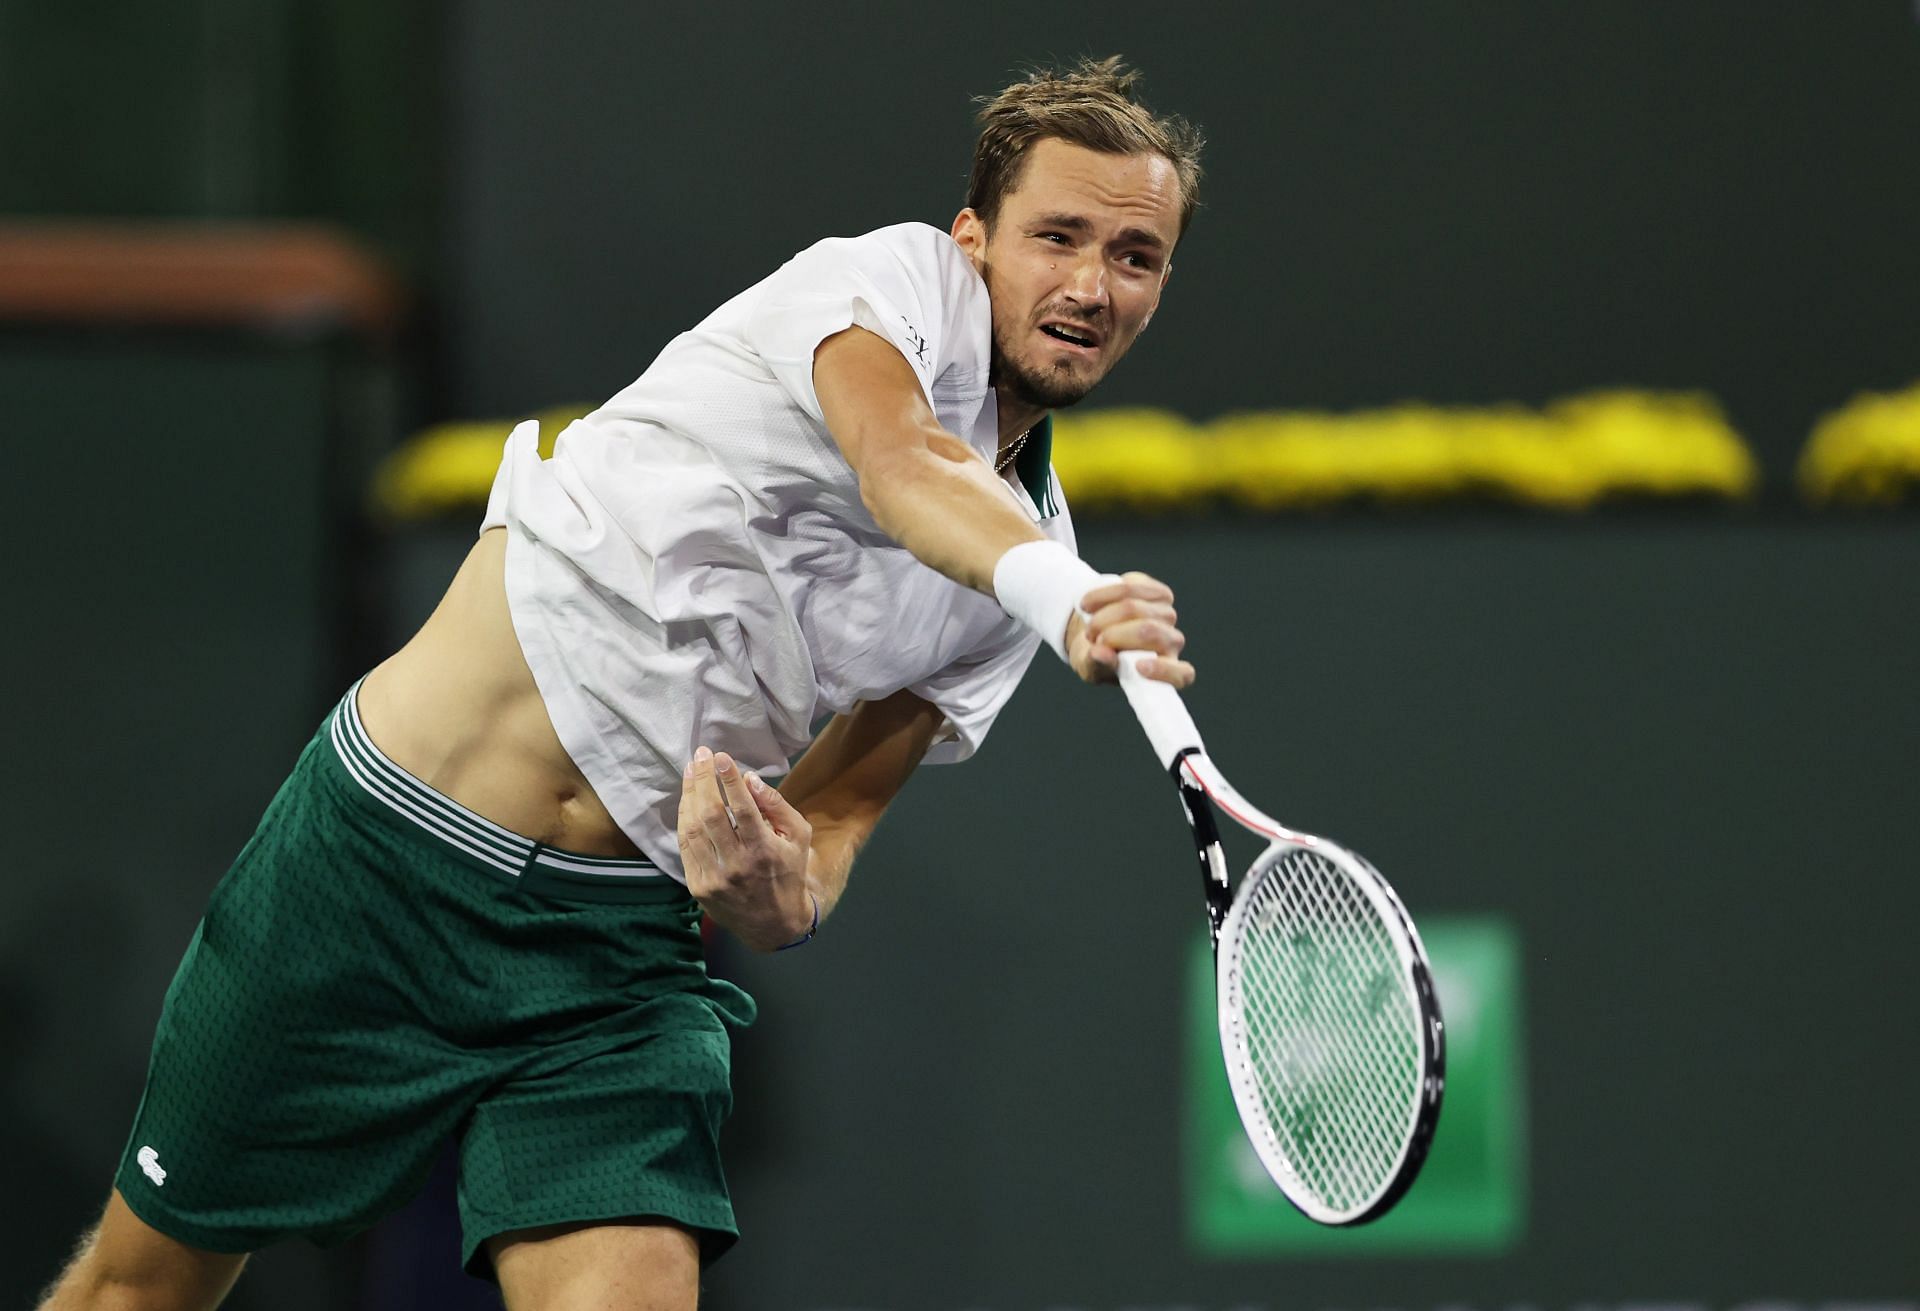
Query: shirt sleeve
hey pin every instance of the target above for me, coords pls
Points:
(971, 691)
(909, 284)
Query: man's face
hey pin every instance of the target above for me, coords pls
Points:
(1074, 265)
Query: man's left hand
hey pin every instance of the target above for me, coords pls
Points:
(745, 852)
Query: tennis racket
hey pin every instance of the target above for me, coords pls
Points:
(1328, 1020)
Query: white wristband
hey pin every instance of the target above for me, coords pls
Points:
(1041, 584)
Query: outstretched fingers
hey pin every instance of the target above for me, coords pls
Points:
(708, 825)
(724, 810)
(743, 815)
(777, 811)
(746, 852)
(698, 851)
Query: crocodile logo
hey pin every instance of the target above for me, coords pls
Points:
(150, 1163)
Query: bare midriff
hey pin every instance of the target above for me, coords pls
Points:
(457, 708)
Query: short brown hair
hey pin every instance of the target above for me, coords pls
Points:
(1091, 105)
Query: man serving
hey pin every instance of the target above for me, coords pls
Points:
(471, 912)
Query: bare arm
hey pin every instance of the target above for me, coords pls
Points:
(927, 489)
(761, 861)
(851, 774)
(761, 870)
(936, 496)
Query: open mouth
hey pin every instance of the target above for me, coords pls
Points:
(1070, 335)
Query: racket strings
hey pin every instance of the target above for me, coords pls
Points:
(1340, 1156)
(1330, 1028)
(1344, 1152)
(1335, 1071)
(1349, 1140)
(1364, 1143)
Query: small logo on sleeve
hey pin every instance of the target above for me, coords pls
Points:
(150, 1163)
(918, 342)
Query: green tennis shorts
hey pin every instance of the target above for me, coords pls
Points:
(383, 970)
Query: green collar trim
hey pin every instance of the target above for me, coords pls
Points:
(1033, 466)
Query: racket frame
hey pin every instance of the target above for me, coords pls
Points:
(1203, 789)
(1423, 1115)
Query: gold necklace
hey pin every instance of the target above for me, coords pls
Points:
(1012, 451)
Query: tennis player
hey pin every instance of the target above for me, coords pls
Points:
(471, 913)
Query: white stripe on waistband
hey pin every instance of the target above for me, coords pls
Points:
(448, 820)
(419, 816)
(400, 783)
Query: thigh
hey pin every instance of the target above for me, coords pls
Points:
(298, 1084)
(607, 1267)
(617, 1124)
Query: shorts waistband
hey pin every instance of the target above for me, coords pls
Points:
(477, 839)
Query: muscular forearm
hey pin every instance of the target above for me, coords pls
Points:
(831, 861)
(927, 489)
(846, 780)
(941, 501)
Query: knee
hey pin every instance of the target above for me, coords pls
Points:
(92, 1283)
(124, 1265)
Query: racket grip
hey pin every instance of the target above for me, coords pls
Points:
(1160, 710)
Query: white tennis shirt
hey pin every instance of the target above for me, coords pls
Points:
(693, 566)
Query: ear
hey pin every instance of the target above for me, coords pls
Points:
(969, 232)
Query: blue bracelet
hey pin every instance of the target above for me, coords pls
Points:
(801, 942)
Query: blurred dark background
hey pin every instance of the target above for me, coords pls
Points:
(1668, 749)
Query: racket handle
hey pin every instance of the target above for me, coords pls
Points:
(1160, 710)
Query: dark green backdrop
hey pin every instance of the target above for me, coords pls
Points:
(1459, 201)
(1676, 756)
(1673, 748)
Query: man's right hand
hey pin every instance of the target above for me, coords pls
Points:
(1134, 614)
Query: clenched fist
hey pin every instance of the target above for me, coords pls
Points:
(1134, 614)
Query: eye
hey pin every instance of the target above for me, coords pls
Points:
(1059, 238)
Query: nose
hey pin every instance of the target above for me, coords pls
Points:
(1086, 284)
